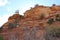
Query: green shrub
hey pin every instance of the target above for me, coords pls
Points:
(42, 16)
(1, 37)
(57, 17)
(12, 25)
(50, 21)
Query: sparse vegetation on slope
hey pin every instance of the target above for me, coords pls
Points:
(12, 25)
(50, 21)
(57, 17)
(1, 37)
(31, 25)
(52, 32)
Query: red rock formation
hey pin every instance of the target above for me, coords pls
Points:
(30, 26)
(36, 12)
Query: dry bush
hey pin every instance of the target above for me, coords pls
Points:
(52, 32)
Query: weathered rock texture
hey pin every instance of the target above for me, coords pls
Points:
(31, 25)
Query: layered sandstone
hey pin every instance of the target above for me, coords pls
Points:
(31, 25)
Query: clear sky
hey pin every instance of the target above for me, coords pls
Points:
(8, 7)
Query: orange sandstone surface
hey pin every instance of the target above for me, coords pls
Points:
(31, 25)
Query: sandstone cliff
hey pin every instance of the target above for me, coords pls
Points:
(31, 25)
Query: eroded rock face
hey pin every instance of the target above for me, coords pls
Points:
(35, 13)
(14, 19)
(30, 26)
(55, 8)
(25, 33)
(15, 16)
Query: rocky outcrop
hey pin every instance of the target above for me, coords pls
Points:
(31, 25)
(37, 11)
(15, 16)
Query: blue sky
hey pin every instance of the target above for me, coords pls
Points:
(8, 7)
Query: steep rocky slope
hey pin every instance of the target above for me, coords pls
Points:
(31, 25)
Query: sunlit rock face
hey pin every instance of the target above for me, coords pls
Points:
(14, 19)
(37, 11)
(15, 16)
(55, 8)
(32, 25)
